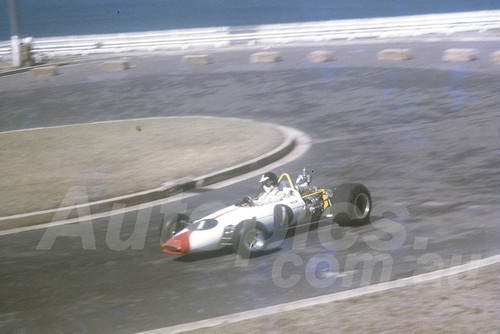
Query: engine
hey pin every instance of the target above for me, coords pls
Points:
(314, 205)
(314, 201)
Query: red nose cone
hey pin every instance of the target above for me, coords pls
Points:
(178, 244)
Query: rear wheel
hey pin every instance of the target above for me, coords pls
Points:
(249, 237)
(171, 225)
(352, 204)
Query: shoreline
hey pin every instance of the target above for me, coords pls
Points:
(222, 37)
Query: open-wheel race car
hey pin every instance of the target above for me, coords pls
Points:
(252, 225)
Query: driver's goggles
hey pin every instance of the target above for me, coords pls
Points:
(267, 183)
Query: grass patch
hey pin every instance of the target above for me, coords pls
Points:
(117, 158)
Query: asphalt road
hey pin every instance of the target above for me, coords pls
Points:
(421, 135)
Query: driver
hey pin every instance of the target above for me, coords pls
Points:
(271, 192)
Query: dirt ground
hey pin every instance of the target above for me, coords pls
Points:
(462, 303)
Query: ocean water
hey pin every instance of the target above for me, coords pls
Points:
(46, 18)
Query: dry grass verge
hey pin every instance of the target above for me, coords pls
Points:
(117, 158)
(462, 303)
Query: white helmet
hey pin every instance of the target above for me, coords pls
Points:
(269, 179)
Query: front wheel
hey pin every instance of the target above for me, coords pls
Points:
(351, 205)
(249, 237)
(171, 225)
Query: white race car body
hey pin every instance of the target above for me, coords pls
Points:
(213, 231)
(249, 228)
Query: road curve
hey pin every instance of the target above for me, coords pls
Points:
(421, 134)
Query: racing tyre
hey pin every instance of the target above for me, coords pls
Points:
(171, 225)
(352, 205)
(249, 238)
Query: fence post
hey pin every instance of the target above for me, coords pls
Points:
(14, 40)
